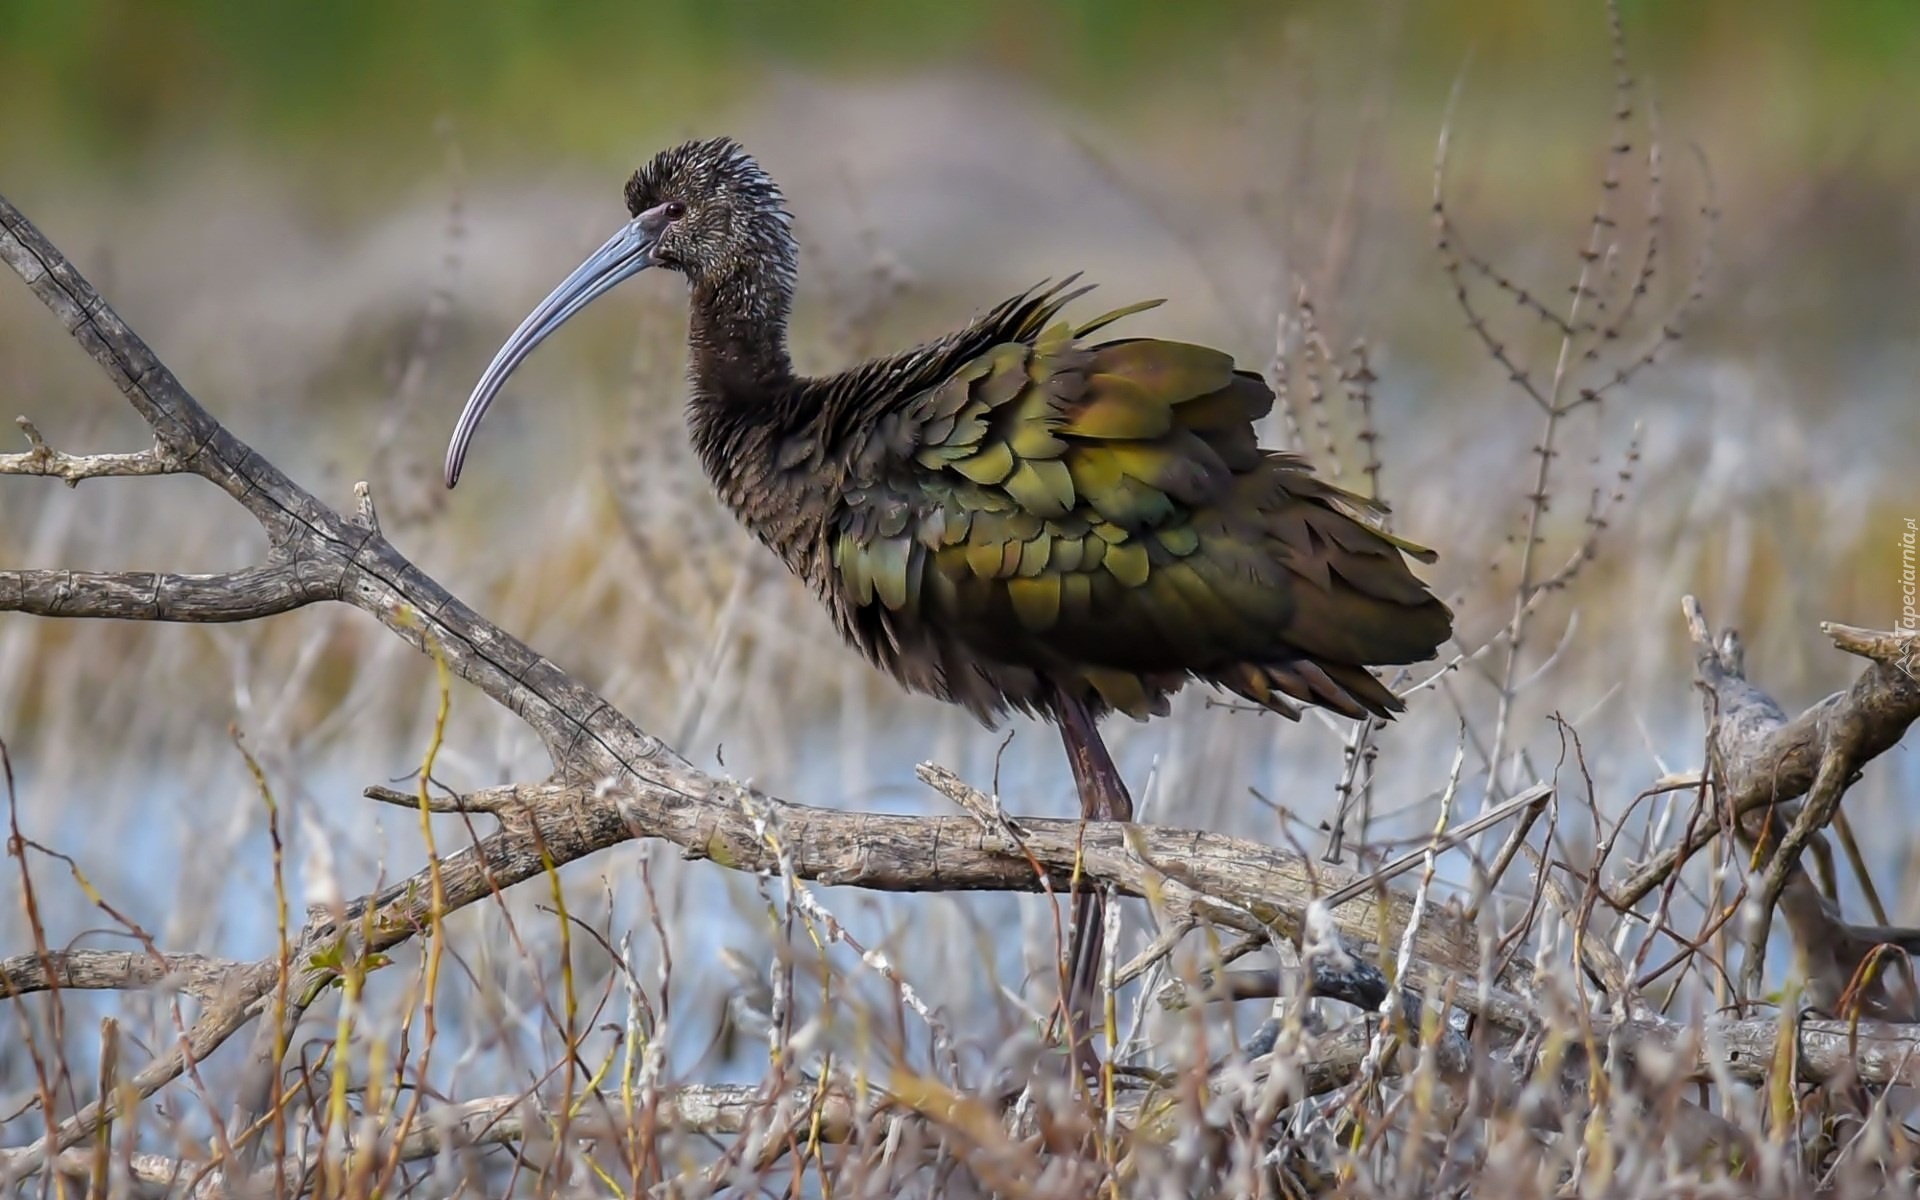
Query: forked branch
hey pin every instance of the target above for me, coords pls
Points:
(1766, 767)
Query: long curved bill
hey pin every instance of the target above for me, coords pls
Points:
(626, 254)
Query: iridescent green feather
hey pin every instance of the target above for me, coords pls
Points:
(1103, 514)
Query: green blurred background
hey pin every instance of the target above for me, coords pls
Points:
(118, 84)
(1804, 111)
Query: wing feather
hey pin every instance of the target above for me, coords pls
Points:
(1102, 516)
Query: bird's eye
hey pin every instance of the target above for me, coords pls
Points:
(675, 210)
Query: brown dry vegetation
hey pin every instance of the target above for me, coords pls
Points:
(659, 977)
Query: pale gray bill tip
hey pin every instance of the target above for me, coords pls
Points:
(625, 254)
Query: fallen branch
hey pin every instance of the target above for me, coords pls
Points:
(1761, 759)
(834, 1114)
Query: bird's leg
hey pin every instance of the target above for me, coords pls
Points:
(1103, 797)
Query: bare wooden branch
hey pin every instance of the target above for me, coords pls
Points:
(489, 802)
(585, 736)
(1760, 759)
(229, 1009)
(275, 587)
(1829, 1051)
(1761, 756)
(1233, 882)
(717, 1110)
(43, 459)
(1764, 758)
(363, 506)
(980, 806)
(1873, 1052)
(833, 1114)
(1893, 649)
(197, 975)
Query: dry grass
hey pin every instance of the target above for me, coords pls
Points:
(648, 1023)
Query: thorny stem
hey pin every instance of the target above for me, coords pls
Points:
(1596, 252)
(1537, 502)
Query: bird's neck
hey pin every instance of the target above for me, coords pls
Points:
(737, 338)
(742, 402)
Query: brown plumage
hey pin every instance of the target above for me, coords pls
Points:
(1016, 516)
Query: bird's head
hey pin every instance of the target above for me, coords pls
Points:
(704, 209)
(717, 213)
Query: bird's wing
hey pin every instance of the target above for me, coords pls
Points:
(1106, 511)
